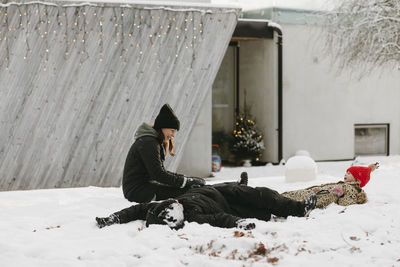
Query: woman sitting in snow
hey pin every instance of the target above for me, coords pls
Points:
(223, 205)
(145, 178)
(343, 193)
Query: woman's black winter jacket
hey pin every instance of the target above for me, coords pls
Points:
(144, 167)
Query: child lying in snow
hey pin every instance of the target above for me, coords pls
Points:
(343, 193)
(223, 205)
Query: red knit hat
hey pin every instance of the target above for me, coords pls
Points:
(361, 174)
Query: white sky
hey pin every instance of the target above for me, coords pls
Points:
(301, 4)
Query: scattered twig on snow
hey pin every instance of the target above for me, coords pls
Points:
(52, 227)
(182, 236)
(238, 234)
(272, 260)
(261, 250)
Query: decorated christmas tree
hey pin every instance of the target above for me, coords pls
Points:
(247, 142)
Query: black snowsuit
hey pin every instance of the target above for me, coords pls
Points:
(145, 177)
(223, 205)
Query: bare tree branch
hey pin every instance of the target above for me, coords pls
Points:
(364, 34)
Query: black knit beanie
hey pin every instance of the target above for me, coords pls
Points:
(166, 119)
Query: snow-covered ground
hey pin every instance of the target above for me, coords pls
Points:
(57, 228)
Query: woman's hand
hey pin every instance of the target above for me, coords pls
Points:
(193, 182)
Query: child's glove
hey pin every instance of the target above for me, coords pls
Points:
(245, 224)
(107, 221)
(338, 190)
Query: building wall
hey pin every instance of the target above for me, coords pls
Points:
(196, 156)
(321, 105)
(77, 79)
(258, 80)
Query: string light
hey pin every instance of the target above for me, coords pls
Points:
(79, 35)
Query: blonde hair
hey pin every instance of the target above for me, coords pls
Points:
(169, 146)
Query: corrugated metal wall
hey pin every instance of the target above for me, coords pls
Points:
(77, 80)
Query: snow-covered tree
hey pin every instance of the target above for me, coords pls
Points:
(364, 33)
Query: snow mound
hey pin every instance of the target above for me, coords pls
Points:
(303, 153)
(300, 168)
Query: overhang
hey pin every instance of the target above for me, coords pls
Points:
(252, 29)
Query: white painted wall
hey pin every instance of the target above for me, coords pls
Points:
(258, 77)
(196, 157)
(320, 107)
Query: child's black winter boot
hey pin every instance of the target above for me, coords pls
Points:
(244, 178)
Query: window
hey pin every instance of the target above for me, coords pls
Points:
(371, 139)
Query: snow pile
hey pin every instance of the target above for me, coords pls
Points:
(57, 228)
(303, 153)
(300, 168)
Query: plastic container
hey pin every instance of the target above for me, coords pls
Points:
(216, 159)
